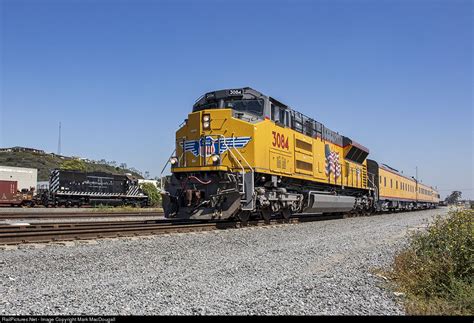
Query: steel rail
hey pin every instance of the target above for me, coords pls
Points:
(61, 234)
(40, 215)
(50, 232)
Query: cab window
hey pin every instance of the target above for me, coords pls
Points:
(279, 115)
(250, 106)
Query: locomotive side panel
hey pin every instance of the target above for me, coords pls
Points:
(283, 151)
(96, 182)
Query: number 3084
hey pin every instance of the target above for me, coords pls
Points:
(280, 141)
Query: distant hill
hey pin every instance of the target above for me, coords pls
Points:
(46, 162)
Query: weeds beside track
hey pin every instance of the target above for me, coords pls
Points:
(436, 271)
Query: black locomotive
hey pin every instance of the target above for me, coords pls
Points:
(77, 188)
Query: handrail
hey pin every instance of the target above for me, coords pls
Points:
(233, 156)
(228, 149)
(167, 162)
(371, 179)
(248, 164)
(181, 157)
(240, 154)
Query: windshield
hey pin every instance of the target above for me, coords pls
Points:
(249, 106)
(206, 106)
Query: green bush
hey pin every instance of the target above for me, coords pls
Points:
(73, 164)
(151, 191)
(436, 271)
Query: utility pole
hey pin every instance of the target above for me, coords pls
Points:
(416, 180)
(59, 140)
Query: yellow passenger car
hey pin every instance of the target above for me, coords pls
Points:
(397, 191)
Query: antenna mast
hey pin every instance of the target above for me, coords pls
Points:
(59, 140)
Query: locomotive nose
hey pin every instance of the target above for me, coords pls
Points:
(198, 142)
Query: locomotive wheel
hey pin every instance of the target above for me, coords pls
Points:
(266, 215)
(286, 213)
(244, 217)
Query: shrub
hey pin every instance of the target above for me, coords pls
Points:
(436, 271)
(151, 191)
(73, 164)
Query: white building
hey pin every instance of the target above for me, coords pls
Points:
(26, 177)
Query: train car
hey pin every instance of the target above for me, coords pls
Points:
(427, 196)
(76, 188)
(396, 191)
(241, 154)
(11, 196)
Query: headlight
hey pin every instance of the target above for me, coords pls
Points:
(206, 121)
(173, 160)
(215, 158)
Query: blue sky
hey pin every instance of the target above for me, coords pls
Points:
(121, 76)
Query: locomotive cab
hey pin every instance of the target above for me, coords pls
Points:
(246, 104)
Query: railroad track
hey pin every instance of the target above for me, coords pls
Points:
(56, 215)
(50, 232)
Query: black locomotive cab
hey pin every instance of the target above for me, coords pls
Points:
(246, 103)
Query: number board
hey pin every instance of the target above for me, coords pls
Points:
(280, 141)
(236, 92)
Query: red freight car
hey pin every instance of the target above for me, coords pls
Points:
(9, 195)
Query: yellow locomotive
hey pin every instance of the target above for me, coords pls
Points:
(241, 153)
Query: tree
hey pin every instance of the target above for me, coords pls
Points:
(150, 190)
(147, 174)
(454, 197)
(139, 172)
(123, 166)
(73, 164)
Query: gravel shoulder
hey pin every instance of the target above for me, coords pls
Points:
(320, 268)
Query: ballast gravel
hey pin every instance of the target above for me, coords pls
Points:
(316, 268)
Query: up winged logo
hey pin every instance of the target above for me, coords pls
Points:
(208, 146)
